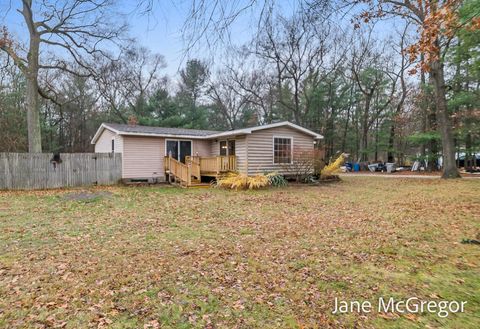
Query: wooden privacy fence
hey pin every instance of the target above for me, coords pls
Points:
(27, 171)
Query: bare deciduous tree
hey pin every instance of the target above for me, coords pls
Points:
(296, 48)
(402, 93)
(227, 98)
(127, 82)
(372, 73)
(72, 33)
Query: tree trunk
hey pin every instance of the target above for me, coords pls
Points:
(33, 117)
(431, 123)
(376, 140)
(32, 103)
(445, 127)
(424, 108)
(31, 75)
(364, 145)
(329, 134)
(391, 144)
(398, 111)
(296, 98)
(469, 160)
(344, 137)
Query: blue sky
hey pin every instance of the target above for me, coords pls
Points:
(160, 30)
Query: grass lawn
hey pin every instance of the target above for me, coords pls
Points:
(162, 257)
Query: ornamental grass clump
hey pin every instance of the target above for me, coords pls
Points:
(333, 168)
(257, 181)
(242, 182)
(232, 181)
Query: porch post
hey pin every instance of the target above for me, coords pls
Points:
(170, 167)
(219, 163)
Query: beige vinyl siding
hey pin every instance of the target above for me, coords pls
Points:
(241, 153)
(260, 148)
(104, 142)
(143, 157)
(201, 147)
(118, 144)
(214, 148)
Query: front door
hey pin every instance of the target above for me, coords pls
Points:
(227, 147)
(223, 148)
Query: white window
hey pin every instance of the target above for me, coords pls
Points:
(282, 150)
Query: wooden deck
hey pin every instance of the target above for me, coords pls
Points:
(190, 173)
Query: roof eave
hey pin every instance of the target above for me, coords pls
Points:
(99, 132)
(230, 133)
(269, 126)
(244, 131)
(305, 130)
(123, 133)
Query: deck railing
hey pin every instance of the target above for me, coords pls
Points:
(215, 164)
(209, 165)
(195, 166)
(229, 163)
(179, 170)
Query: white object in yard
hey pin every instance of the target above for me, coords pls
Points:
(390, 167)
(373, 167)
(416, 165)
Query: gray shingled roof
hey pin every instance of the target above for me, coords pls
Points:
(159, 130)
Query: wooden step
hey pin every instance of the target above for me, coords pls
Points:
(199, 185)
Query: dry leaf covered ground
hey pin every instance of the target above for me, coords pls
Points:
(162, 257)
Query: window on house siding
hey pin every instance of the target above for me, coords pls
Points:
(172, 149)
(282, 150)
(231, 147)
(113, 145)
(178, 149)
(227, 147)
(223, 148)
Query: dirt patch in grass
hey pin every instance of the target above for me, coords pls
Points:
(86, 196)
(153, 257)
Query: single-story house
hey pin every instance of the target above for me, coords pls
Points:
(157, 153)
